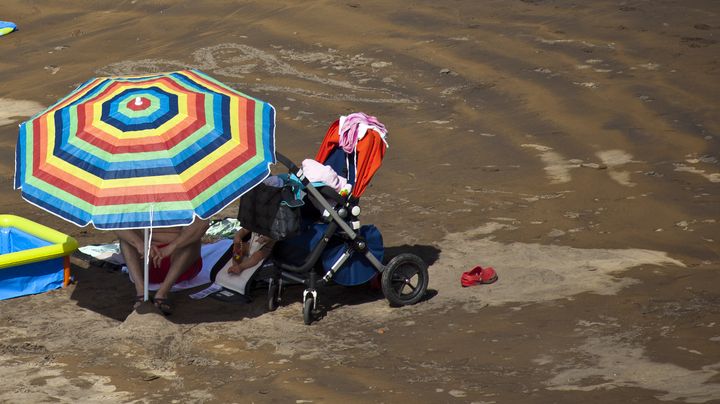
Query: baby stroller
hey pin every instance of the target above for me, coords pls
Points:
(331, 245)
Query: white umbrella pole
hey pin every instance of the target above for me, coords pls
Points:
(146, 262)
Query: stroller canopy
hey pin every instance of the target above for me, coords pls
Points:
(359, 166)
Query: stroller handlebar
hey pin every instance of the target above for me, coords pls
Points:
(286, 162)
(326, 191)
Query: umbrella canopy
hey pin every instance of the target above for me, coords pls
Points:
(145, 151)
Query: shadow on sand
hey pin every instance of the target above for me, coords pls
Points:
(108, 291)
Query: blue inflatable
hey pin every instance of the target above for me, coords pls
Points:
(33, 258)
(7, 27)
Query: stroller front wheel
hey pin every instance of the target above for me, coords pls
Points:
(308, 307)
(273, 295)
(405, 280)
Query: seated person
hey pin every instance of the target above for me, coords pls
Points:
(249, 252)
(175, 250)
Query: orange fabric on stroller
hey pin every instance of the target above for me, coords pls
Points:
(370, 151)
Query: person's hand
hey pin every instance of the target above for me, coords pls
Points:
(236, 268)
(158, 254)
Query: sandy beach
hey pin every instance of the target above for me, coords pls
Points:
(572, 146)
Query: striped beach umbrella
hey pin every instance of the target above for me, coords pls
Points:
(145, 151)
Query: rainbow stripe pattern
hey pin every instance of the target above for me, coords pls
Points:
(145, 151)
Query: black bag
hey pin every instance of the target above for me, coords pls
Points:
(267, 210)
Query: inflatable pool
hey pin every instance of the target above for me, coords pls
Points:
(33, 258)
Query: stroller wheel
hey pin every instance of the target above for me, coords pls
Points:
(405, 280)
(273, 296)
(308, 306)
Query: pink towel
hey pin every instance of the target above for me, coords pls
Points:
(316, 172)
(355, 127)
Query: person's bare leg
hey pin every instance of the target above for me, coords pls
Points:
(180, 261)
(133, 258)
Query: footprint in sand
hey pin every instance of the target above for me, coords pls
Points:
(558, 167)
(690, 167)
(613, 159)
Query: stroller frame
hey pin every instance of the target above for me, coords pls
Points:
(404, 279)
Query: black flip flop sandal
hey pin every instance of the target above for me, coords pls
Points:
(163, 304)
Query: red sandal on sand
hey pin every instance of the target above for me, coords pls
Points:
(478, 276)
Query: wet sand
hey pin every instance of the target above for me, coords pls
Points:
(571, 146)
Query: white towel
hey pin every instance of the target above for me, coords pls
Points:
(210, 253)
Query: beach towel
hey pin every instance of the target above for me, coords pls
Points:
(316, 172)
(353, 128)
(239, 282)
(210, 254)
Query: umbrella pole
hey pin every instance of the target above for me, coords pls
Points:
(146, 263)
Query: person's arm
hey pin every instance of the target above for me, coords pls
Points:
(252, 260)
(191, 233)
(238, 243)
(188, 234)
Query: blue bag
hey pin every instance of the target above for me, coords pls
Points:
(355, 271)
